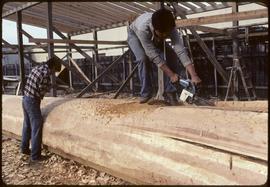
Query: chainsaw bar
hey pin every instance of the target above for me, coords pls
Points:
(202, 102)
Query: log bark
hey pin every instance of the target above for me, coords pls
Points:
(149, 144)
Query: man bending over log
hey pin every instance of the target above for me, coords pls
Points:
(146, 39)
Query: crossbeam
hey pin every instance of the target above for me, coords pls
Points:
(208, 29)
(254, 14)
(41, 40)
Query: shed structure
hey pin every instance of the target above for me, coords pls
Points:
(75, 18)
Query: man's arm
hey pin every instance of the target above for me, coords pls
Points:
(179, 48)
(44, 84)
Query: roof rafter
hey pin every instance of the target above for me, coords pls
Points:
(19, 8)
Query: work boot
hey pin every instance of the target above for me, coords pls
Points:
(38, 160)
(26, 152)
(171, 98)
(145, 99)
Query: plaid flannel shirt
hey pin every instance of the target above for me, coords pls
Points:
(38, 82)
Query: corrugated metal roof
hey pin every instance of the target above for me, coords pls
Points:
(83, 17)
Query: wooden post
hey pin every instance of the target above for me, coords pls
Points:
(131, 85)
(126, 81)
(69, 54)
(20, 50)
(96, 59)
(215, 70)
(160, 91)
(50, 45)
(235, 86)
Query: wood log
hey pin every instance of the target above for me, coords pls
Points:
(150, 144)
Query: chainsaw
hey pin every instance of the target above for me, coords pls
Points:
(188, 93)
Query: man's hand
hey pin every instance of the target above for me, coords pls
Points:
(195, 79)
(174, 78)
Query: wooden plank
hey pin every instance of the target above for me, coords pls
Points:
(20, 8)
(88, 30)
(208, 29)
(41, 40)
(254, 14)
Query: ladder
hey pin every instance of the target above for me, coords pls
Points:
(245, 76)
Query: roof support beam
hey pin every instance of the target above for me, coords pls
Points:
(84, 31)
(20, 8)
(208, 29)
(254, 14)
(40, 40)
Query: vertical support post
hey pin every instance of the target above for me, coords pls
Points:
(124, 67)
(235, 52)
(131, 85)
(51, 45)
(69, 63)
(215, 70)
(20, 50)
(160, 92)
(96, 56)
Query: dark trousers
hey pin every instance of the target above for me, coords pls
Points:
(32, 126)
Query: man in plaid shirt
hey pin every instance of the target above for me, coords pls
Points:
(38, 83)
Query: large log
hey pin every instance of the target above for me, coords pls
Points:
(149, 144)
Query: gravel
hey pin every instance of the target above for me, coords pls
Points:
(55, 170)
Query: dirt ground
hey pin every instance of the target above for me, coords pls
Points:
(16, 169)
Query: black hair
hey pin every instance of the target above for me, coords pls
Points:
(55, 63)
(163, 20)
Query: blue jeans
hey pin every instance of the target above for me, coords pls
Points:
(144, 67)
(32, 126)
